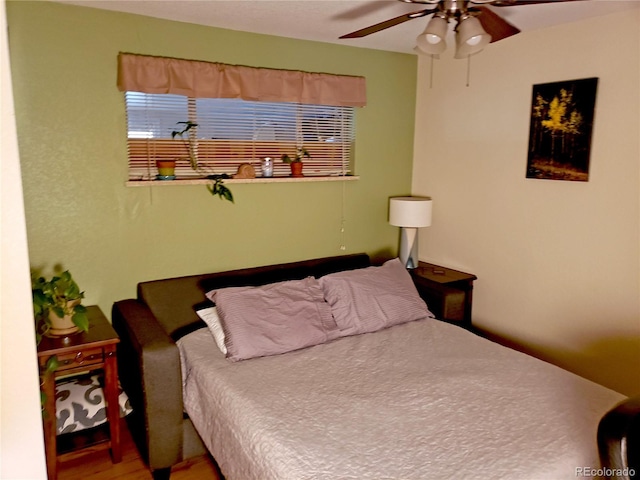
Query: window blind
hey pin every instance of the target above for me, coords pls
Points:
(233, 131)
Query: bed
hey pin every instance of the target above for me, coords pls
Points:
(415, 398)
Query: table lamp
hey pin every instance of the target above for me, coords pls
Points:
(410, 213)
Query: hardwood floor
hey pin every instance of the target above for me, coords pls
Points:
(94, 463)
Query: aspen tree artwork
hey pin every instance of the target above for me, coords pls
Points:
(560, 132)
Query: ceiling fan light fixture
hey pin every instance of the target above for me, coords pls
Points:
(475, 40)
(432, 40)
(470, 37)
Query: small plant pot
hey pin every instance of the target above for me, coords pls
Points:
(166, 169)
(62, 327)
(296, 169)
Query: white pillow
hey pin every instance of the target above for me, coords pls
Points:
(210, 317)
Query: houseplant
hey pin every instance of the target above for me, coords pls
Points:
(217, 187)
(296, 162)
(57, 306)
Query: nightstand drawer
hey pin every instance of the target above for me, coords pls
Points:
(83, 358)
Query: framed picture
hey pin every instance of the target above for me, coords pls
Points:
(560, 131)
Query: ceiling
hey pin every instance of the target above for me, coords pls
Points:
(326, 20)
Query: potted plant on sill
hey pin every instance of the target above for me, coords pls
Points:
(296, 162)
(217, 187)
(57, 306)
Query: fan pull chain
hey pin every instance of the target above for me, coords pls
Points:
(431, 73)
(343, 247)
(468, 69)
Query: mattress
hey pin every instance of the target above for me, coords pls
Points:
(421, 400)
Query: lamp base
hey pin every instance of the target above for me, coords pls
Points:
(409, 247)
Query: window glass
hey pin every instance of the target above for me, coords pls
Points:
(235, 131)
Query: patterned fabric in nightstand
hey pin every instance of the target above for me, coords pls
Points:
(80, 403)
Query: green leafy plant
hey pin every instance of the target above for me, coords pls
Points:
(51, 366)
(60, 295)
(301, 153)
(217, 187)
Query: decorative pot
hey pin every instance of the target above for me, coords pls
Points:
(61, 327)
(166, 169)
(296, 169)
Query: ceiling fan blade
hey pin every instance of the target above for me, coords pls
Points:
(495, 25)
(359, 11)
(515, 3)
(388, 23)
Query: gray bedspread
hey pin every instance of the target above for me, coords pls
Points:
(422, 400)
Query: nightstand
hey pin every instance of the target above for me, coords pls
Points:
(448, 292)
(79, 353)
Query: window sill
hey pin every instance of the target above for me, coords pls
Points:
(231, 181)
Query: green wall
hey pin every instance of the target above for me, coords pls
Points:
(72, 140)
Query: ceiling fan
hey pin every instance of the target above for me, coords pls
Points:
(476, 26)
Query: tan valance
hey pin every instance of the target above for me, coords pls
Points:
(148, 74)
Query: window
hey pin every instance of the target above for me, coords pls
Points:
(232, 131)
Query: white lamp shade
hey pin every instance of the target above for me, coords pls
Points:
(410, 211)
(470, 38)
(432, 40)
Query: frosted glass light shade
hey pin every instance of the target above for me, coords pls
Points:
(432, 40)
(470, 38)
(410, 211)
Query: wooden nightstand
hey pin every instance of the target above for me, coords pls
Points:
(448, 292)
(79, 353)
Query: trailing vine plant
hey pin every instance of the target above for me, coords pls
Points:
(217, 187)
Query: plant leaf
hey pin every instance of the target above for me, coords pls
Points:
(52, 364)
(226, 193)
(219, 188)
(80, 319)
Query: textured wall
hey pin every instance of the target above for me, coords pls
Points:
(72, 138)
(558, 263)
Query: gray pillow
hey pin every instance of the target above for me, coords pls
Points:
(274, 318)
(372, 298)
